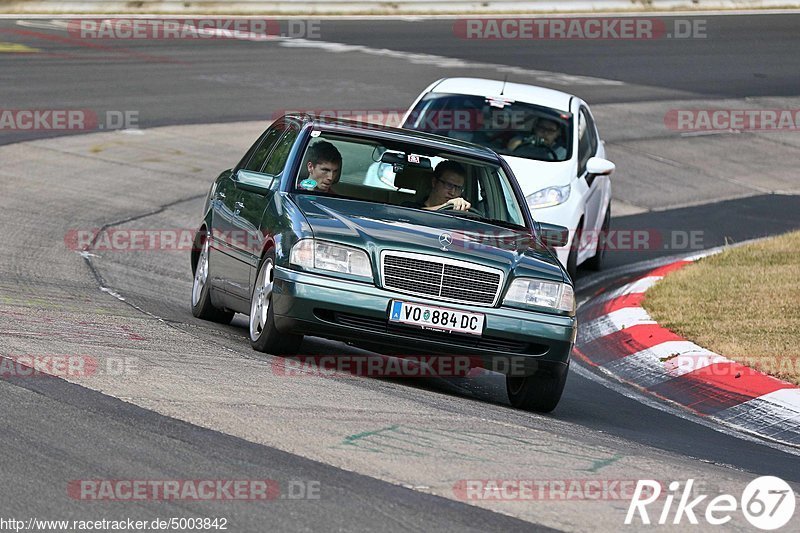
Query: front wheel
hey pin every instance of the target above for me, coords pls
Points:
(264, 337)
(201, 291)
(596, 262)
(572, 258)
(540, 392)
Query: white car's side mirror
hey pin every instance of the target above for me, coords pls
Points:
(599, 166)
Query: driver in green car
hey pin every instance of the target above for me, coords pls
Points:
(447, 185)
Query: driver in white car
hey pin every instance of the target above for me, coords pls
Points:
(447, 185)
(546, 132)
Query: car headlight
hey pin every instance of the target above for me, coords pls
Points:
(538, 293)
(320, 255)
(548, 197)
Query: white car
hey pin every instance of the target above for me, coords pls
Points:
(549, 140)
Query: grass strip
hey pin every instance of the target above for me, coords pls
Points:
(743, 303)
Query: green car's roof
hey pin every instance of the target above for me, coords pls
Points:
(377, 131)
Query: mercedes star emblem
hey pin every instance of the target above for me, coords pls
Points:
(445, 239)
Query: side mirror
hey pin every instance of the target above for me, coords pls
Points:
(553, 236)
(253, 181)
(599, 166)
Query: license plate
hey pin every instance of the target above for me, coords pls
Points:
(436, 318)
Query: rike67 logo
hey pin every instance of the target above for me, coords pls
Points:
(767, 502)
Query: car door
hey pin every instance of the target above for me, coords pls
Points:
(253, 203)
(232, 266)
(587, 148)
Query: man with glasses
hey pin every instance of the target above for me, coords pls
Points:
(546, 133)
(447, 185)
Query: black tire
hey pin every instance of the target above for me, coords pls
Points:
(264, 336)
(596, 262)
(539, 392)
(572, 258)
(201, 291)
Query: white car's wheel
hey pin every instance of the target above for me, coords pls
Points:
(572, 258)
(596, 262)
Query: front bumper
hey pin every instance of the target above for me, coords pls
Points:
(312, 304)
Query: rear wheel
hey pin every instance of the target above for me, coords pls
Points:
(201, 291)
(596, 262)
(540, 392)
(264, 337)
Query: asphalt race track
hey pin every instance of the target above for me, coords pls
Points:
(193, 401)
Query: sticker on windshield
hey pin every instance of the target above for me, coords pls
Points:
(499, 102)
(413, 158)
(308, 184)
(315, 133)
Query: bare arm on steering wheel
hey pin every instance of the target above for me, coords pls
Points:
(458, 204)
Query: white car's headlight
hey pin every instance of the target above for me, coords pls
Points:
(548, 197)
(538, 293)
(320, 255)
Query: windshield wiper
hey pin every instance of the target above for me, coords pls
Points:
(504, 223)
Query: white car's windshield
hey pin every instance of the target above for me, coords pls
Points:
(510, 128)
(408, 175)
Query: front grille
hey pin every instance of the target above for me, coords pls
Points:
(440, 278)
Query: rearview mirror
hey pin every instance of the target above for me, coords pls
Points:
(553, 236)
(599, 166)
(399, 158)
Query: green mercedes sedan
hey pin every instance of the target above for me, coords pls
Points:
(401, 242)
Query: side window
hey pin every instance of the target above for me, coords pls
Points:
(587, 139)
(279, 157)
(267, 144)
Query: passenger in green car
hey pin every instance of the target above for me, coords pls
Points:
(324, 165)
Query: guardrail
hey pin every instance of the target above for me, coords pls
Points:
(320, 7)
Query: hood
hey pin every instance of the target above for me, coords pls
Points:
(534, 175)
(376, 227)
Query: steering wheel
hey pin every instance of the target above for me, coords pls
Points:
(532, 142)
(450, 207)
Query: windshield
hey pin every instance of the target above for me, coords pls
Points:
(408, 175)
(509, 128)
